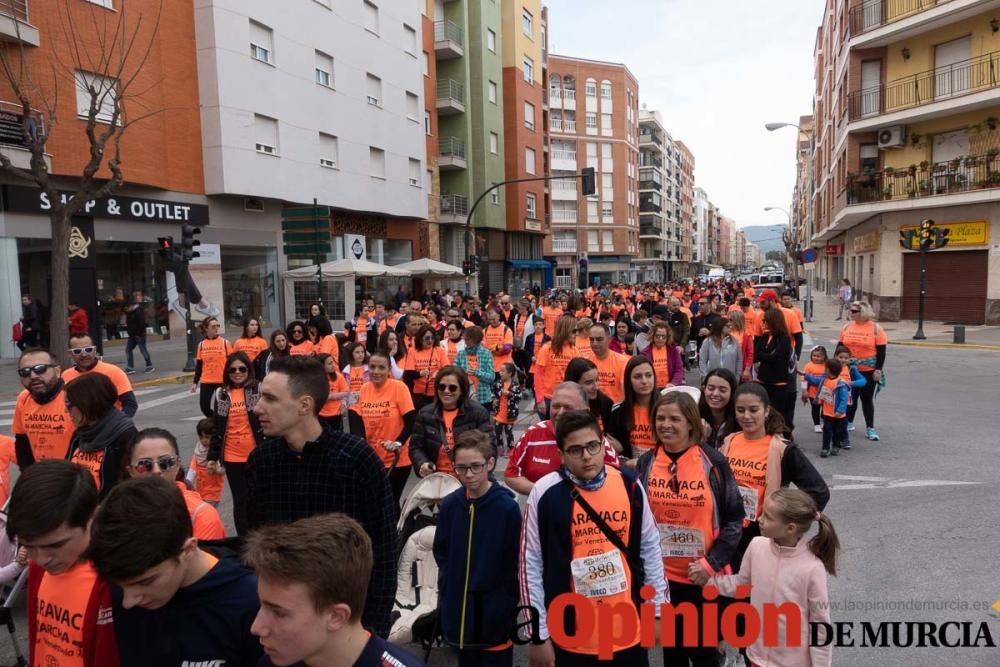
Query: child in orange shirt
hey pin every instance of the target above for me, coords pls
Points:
(506, 396)
(206, 476)
(816, 366)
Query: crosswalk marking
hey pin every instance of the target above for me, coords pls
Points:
(861, 482)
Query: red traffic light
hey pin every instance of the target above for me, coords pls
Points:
(165, 242)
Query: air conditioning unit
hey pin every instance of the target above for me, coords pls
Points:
(892, 137)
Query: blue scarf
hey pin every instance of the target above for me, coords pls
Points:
(591, 485)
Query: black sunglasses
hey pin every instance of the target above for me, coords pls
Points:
(237, 369)
(37, 369)
(448, 387)
(145, 466)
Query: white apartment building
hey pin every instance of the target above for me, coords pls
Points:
(701, 213)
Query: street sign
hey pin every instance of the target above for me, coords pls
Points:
(809, 255)
(305, 212)
(305, 225)
(306, 237)
(307, 249)
(809, 266)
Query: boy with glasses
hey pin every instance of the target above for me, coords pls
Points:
(85, 360)
(475, 546)
(41, 426)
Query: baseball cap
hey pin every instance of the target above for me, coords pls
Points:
(768, 295)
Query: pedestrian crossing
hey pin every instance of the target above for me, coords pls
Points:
(7, 407)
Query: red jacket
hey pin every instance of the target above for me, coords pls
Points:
(536, 454)
(78, 322)
(100, 649)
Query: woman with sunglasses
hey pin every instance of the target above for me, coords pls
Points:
(866, 340)
(439, 423)
(252, 341)
(298, 339)
(154, 451)
(631, 421)
(277, 348)
(421, 364)
(698, 510)
(384, 415)
(102, 431)
(237, 430)
(210, 362)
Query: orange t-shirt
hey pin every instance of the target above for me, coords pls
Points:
(494, 339)
(502, 416)
(382, 409)
(357, 377)
(251, 346)
(63, 600)
(451, 350)
(815, 369)
(205, 519)
(861, 338)
(791, 321)
(212, 353)
(7, 458)
(582, 344)
(112, 372)
(610, 373)
(91, 461)
(444, 463)
(754, 321)
(431, 359)
(552, 366)
(238, 436)
(748, 460)
(48, 427)
(551, 316)
(329, 345)
(661, 364)
(641, 436)
(207, 484)
(332, 407)
(303, 349)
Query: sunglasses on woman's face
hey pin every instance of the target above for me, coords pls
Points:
(452, 388)
(237, 369)
(146, 466)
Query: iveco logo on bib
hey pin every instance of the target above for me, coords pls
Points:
(203, 663)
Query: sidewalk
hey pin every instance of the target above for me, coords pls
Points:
(826, 327)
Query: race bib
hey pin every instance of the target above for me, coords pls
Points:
(750, 499)
(600, 575)
(825, 395)
(681, 541)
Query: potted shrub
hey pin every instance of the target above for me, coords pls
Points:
(956, 163)
(913, 170)
(971, 161)
(991, 122)
(924, 165)
(911, 191)
(925, 186)
(887, 191)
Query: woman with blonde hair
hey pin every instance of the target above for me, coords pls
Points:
(867, 341)
(551, 362)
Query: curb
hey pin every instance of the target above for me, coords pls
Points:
(956, 346)
(170, 379)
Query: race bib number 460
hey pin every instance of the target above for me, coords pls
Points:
(600, 575)
(681, 541)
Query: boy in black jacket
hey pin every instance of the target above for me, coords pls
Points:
(174, 603)
(476, 549)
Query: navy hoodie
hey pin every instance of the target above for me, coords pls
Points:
(206, 623)
(487, 576)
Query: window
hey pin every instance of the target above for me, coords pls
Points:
(527, 23)
(376, 162)
(530, 206)
(427, 63)
(261, 42)
(607, 211)
(265, 133)
(591, 88)
(606, 151)
(92, 88)
(529, 69)
(410, 40)
(592, 245)
(869, 158)
(607, 183)
(605, 90)
(412, 107)
(495, 197)
(591, 120)
(591, 149)
(606, 121)
(608, 240)
(374, 90)
(491, 40)
(491, 91)
(529, 160)
(529, 115)
(327, 151)
(371, 17)
(103, 3)
(414, 173)
(591, 211)
(494, 143)
(324, 69)
(427, 122)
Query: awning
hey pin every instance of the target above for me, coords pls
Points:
(529, 263)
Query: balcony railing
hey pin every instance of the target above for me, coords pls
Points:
(564, 155)
(449, 89)
(872, 14)
(569, 94)
(649, 185)
(943, 83)
(649, 230)
(445, 31)
(972, 172)
(649, 161)
(567, 184)
(16, 9)
(569, 126)
(646, 138)
(451, 147)
(559, 215)
(555, 124)
(454, 205)
(563, 245)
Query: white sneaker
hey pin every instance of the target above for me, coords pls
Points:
(850, 426)
(817, 428)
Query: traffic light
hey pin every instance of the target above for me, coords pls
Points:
(941, 237)
(589, 181)
(466, 267)
(165, 246)
(189, 242)
(926, 234)
(906, 238)
(475, 264)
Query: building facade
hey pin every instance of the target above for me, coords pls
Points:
(593, 121)
(906, 111)
(686, 264)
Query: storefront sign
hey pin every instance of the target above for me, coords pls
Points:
(532, 225)
(833, 250)
(866, 242)
(967, 233)
(355, 247)
(19, 199)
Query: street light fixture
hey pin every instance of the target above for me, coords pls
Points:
(771, 127)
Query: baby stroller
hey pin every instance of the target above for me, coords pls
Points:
(415, 611)
(11, 589)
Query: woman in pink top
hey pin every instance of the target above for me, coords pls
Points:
(780, 566)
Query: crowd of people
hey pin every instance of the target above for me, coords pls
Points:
(659, 450)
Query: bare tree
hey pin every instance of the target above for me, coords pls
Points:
(107, 52)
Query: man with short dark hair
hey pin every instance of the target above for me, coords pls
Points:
(135, 327)
(41, 426)
(312, 576)
(85, 360)
(174, 603)
(69, 606)
(307, 468)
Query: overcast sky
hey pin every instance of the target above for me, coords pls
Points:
(717, 70)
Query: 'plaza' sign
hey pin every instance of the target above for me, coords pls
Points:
(19, 199)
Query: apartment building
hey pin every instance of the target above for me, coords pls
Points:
(685, 265)
(802, 195)
(727, 241)
(430, 243)
(524, 54)
(593, 121)
(906, 111)
(699, 246)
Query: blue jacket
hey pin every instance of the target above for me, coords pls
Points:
(207, 622)
(476, 548)
(841, 395)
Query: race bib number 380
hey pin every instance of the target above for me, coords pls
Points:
(681, 541)
(600, 575)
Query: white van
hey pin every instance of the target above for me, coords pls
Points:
(770, 280)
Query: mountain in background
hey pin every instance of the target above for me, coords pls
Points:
(767, 237)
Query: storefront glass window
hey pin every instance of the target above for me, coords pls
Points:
(250, 286)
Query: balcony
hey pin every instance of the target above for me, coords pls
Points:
(874, 23)
(454, 209)
(450, 97)
(569, 126)
(964, 86)
(646, 160)
(555, 124)
(650, 185)
(12, 133)
(648, 205)
(563, 160)
(563, 190)
(569, 99)
(449, 40)
(649, 231)
(563, 245)
(14, 26)
(451, 152)
(650, 138)
(564, 216)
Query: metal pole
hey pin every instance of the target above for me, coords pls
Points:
(319, 261)
(923, 289)
(189, 365)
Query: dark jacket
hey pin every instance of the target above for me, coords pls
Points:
(220, 411)
(476, 548)
(529, 344)
(616, 428)
(681, 327)
(774, 354)
(102, 444)
(699, 322)
(728, 504)
(30, 318)
(601, 408)
(206, 623)
(428, 430)
(135, 320)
